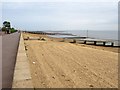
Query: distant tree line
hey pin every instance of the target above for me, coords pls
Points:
(7, 28)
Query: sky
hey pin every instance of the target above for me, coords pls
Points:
(61, 14)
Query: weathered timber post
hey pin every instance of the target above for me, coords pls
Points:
(94, 42)
(112, 44)
(84, 42)
(103, 43)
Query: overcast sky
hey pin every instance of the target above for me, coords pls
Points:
(61, 15)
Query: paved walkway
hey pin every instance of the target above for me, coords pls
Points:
(22, 76)
(9, 51)
(2, 33)
(0, 62)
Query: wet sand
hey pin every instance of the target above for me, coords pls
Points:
(56, 64)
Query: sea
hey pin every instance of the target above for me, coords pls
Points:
(97, 34)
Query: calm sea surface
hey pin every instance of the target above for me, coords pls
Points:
(110, 35)
(113, 35)
(97, 34)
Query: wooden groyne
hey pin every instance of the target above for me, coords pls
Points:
(96, 41)
(47, 33)
(83, 39)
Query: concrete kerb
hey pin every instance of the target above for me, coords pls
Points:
(22, 76)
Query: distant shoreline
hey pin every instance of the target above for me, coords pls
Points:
(67, 35)
(108, 48)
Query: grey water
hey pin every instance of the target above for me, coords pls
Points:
(112, 35)
(97, 34)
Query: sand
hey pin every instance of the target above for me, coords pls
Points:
(56, 64)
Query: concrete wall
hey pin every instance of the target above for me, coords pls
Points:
(22, 76)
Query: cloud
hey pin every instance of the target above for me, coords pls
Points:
(61, 15)
(0, 14)
(60, 0)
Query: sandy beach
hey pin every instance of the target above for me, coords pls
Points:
(58, 64)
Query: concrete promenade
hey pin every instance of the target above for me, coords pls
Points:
(22, 75)
(9, 47)
(0, 62)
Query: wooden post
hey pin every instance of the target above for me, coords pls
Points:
(112, 44)
(84, 42)
(103, 43)
(87, 33)
(94, 42)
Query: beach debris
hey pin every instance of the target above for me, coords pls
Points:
(27, 38)
(26, 48)
(39, 38)
(90, 85)
(33, 62)
(43, 83)
(43, 39)
(62, 40)
(63, 75)
(53, 77)
(74, 70)
(67, 80)
(27, 79)
(35, 73)
(74, 41)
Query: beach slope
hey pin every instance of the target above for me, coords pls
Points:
(65, 65)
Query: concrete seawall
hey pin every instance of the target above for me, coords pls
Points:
(22, 75)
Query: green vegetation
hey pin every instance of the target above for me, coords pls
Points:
(6, 24)
(12, 30)
(7, 27)
(3, 29)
